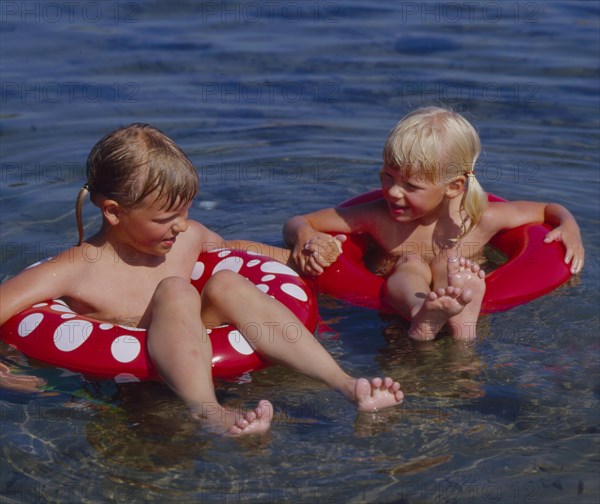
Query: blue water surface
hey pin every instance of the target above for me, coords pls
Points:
(284, 106)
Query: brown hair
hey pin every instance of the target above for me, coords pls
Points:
(133, 162)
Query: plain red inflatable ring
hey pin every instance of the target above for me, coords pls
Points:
(533, 269)
(51, 332)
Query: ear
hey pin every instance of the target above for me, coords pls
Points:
(456, 187)
(111, 211)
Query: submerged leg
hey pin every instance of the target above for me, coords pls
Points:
(408, 290)
(181, 350)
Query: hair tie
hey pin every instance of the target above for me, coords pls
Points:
(470, 173)
(87, 186)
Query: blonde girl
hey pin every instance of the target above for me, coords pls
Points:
(432, 224)
(144, 254)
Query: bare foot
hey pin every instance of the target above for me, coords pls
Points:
(254, 422)
(377, 394)
(468, 276)
(219, 419)
(439, 306)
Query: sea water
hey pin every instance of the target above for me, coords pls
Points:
(283, 107)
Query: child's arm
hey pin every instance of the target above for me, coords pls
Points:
(516, 213)
(16, 294)
(567, 231)
(277, 253)
(49, 280)
(312, 248)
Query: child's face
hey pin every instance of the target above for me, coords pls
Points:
(410, 197)
(151, 228)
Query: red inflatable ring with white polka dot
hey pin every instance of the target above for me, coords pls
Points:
(51, 332)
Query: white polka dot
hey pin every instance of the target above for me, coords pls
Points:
(267, 278)
(61, 308)
(125, 348)
(59, 301)
(68, 315)
(72, 334)
(230, 263)
(132, 328)
(198, 270)
(126, 378)
(262, 287)
(277, 268)
(224, 253)
(239, 343)
(294, 291)
(106, 327)
(39, 305)
(253, 263)
(29, 323)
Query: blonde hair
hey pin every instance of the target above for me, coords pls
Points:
(133, 162)
(439, 145)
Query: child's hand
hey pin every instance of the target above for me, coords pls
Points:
(19, 383)
(571, 237)
(320, 252)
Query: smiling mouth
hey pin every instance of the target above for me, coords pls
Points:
(398, 208)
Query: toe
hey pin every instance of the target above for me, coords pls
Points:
(362, 388)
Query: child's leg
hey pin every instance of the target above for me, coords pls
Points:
(469, 277)
(408, 291)
(181, 350)
(277, 334)
(406, 287)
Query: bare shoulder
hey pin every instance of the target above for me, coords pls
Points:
(200, 238)
(67, 263)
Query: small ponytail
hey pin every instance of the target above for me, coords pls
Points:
(85, 189)
(474, 203)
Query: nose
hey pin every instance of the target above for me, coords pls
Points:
(395, 191)
(180, 225)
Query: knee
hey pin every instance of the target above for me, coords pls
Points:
(174, 287)
(223, 284)
(412, 265)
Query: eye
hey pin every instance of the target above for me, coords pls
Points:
(165, 218)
